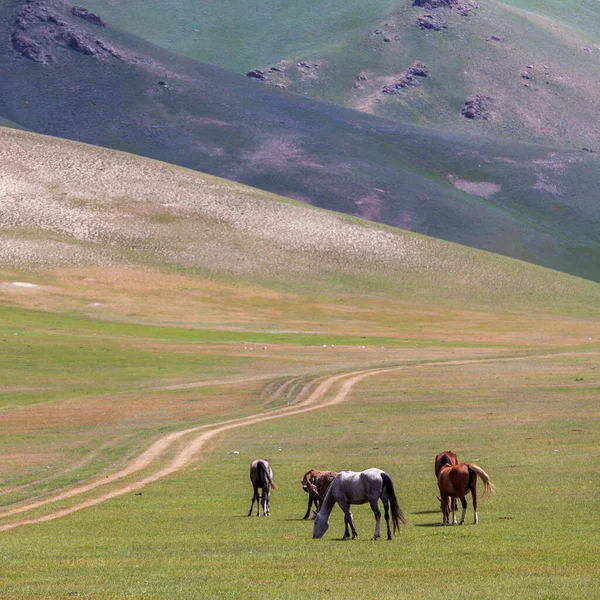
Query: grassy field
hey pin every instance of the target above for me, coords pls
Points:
(530, 422)
(153, 343)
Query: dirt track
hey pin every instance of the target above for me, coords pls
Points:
(190, 450)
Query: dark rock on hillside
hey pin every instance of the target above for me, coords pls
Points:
(256, 74)
(306, 66)
(408, 78)
(84, 13)
(76, 42)
(42, 27)
(431, 22)
(475, 107)
(27, 47)
(435, 3)
(360, 80)
(463, 8)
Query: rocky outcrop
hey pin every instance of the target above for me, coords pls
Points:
(429, 4)
(42, 27)
(476, 107)
(84, 13)
(256, 74)
(407, 79)
(463, 8)
(437, 22)
(432, 22)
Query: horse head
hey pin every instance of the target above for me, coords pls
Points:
(321, 525)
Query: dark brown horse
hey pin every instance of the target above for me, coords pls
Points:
(456, 481)
(315, 484)
(445, 458)
(261, 476)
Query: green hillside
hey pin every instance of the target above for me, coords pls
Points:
(348, 52)
(529, 202)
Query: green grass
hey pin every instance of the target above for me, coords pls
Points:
(188, 537)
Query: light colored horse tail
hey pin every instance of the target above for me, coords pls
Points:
(267, 472)
(488, 486)
(397, 514)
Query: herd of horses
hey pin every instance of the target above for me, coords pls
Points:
(325, 489)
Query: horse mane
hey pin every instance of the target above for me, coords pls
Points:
(446, 460)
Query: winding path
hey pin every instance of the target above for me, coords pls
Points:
(199, 436)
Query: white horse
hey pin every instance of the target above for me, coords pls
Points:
(261, 476)
(359, 488)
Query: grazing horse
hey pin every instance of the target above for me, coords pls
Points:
(457, 481)
(442, 459)
(261, 476)
(358, 488)
(315, 484)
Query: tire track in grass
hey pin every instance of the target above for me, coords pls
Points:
(182, 459)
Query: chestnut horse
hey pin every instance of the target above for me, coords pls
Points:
(359, 488)
(456, 481)
(445, 458)
(261, 476)
(315, 484)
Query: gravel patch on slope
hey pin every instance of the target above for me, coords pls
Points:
(64, 203)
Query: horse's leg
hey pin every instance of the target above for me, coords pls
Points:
(347, 521)
(445, 509)
(254, 498)
(259, 502)
(346, 528)
(463, 501)
(268, 501)
(453, 505)
(377, 513)
(265, 500)
(386, 508)
(310, 501)
(474, 494)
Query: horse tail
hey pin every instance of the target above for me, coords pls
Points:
(397, 514)
(489, 487)
(266, 469)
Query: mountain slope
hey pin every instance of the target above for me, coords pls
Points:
(536, 63)
(94, 84)
(79, 206)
